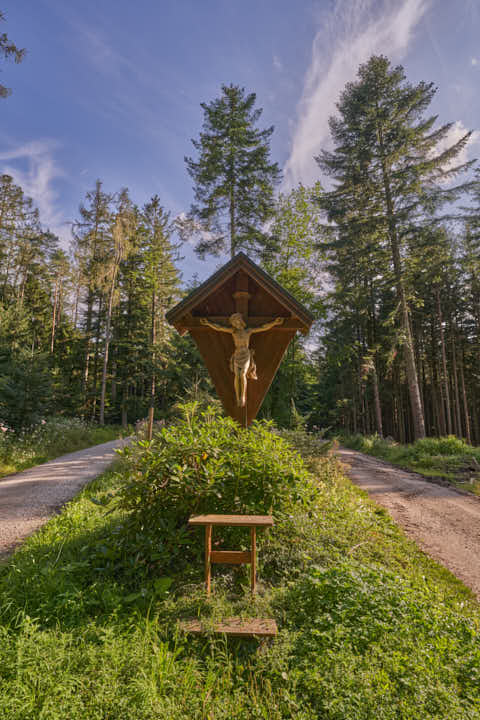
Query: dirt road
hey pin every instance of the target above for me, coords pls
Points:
(445, 523)
(28, 499)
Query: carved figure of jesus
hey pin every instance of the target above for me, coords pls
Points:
(242, 363)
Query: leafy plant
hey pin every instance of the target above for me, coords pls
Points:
(204, 463)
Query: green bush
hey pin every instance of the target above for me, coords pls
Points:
(204, 463)
(450, 445)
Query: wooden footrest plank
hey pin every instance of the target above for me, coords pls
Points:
(235, 627)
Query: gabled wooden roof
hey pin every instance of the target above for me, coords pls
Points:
(240, 262)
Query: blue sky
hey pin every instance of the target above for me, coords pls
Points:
(111, 89)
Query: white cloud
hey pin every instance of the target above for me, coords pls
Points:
(277, 63)
(474, 61)
(349, 35)
(33, 168)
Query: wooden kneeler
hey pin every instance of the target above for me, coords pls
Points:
(235, 627)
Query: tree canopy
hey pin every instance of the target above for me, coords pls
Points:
(233, 176)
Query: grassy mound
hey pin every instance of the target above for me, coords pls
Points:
(449, 458)
(369, 626)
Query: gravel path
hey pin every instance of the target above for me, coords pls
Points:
(29, 498)
(445, 523)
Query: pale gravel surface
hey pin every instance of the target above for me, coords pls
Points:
(29, 498)
(444, 523)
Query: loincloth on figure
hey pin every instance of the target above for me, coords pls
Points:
(243, 359)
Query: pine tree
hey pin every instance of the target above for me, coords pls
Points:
(386, 163)
(233, 176)
(160, 283)
(122, 228)
(92, 235)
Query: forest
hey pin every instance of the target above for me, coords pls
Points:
(384, 250)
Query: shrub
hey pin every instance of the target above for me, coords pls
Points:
(450, 445)
(204, 463)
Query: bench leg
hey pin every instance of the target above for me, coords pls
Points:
(253, 565)
(208, 550)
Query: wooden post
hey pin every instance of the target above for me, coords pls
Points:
(208, 551)
(150, 423)
(253, 566)
(241, 295)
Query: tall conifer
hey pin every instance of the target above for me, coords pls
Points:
(389, 154)
(233, 177)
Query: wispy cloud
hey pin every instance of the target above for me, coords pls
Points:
(135, 89)
(33, 167)
(352, 32)
(474, 61)
(277, 63)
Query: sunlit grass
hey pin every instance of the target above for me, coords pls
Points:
(448, 458)
(53, 437)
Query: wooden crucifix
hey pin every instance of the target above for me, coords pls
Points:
(242, 361)
(242, 322)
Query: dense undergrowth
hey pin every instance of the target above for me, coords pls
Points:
(47, 440)
(448, 458)
(369, 626)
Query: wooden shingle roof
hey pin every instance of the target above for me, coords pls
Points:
(215, 281)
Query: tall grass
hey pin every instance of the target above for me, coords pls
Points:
(449, 458)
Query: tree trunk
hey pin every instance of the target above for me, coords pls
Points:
(54, 316)
(107, 346)
(151, 409)
(458, 421)
(376, 398)
(412, 378)
(95, 359)
(466, 416)
(444, 366)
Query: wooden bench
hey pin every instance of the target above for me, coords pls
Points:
(235, 557)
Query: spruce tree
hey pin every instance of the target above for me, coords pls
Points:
(92, 242)
(160, 283)
(391, 179)
(233, 177)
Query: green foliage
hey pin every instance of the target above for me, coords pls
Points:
(204, 463)
(233, 176)
(392, 170)
(9, 50)
(368, 644)
(293, 253)
(449, 458)
(369, 626)
(49, 439)
(307, 444)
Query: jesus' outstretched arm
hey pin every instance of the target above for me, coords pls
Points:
(268, 326)
(215, 326)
